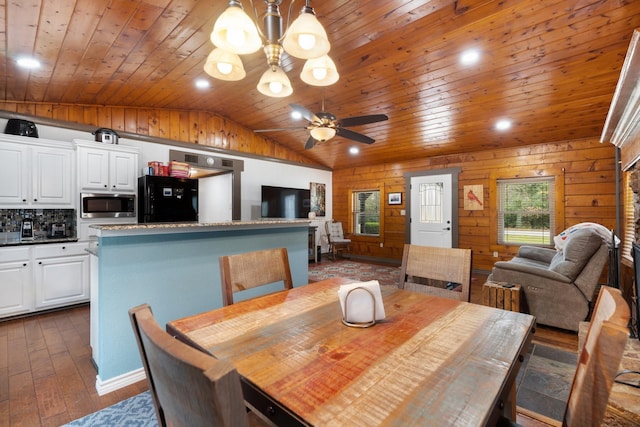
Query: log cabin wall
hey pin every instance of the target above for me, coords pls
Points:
(585, 167)
(197, 127)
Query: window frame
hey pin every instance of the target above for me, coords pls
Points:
(502, 184)
(353, 223)
(521, 172)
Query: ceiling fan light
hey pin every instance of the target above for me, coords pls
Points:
(322, 133)
(235, 32)
(275, 83)
(320, 72)
(306, 38)
(224, 65)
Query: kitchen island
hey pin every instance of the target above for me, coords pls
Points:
(174, 268)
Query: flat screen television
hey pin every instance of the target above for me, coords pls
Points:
(283, 202)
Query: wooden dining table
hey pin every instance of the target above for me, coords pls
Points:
(430, 362)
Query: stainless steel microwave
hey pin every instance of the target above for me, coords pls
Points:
(108, 205)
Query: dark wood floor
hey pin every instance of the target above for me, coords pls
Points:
(47, 378)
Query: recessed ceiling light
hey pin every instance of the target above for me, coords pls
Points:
(470, 57)
(202, 84)
(354, 150)
(29, 63)
(296, 115)
(503, 124)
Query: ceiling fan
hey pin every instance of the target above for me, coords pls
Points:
(323, 125)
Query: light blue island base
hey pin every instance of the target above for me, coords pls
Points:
(175, 269)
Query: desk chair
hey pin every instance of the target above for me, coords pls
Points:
(335, 237)
(252, 269)
(598, 362)
(189, 388)
(443, 272)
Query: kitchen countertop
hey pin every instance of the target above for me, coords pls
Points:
(37, 241)
(178, 227)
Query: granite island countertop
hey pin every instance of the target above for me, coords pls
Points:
(194, 227)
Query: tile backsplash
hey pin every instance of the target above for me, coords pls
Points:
(11, 220)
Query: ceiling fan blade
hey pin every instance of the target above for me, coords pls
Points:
(279, 129)
(308, 115)
(363, 120)
(346, 133)
(310, 143)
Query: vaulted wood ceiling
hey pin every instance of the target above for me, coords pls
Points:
(551, 66)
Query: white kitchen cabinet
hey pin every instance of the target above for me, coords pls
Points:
(35, 174)
(107, 168)
(61, 274)
(16, 289)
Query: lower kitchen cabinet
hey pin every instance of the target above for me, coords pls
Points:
(61, 274)
(38, 277)
(16, 290)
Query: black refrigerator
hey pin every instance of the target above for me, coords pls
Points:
(167, 199)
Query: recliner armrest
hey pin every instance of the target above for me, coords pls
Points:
(539, 254)
(513, 265)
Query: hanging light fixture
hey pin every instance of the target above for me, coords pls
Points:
(234, 33)
(322, 133)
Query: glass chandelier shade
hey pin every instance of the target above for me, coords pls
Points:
(224, 65)
(275, 83)
(306, 38)
(319, 71)
(322, 133)
(235, 32)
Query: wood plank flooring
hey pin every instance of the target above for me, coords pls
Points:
(47, 377)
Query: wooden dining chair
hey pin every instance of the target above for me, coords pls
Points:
(252, 269)
(443, 272)
(188, 387)
(338, 244)
(598, 362)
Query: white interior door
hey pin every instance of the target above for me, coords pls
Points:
(431, 210)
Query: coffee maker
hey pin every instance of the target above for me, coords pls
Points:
(26, 231)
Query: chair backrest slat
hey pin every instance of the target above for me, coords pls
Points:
(189, 388)
(252, 269)
(599, 360)
(445, 265)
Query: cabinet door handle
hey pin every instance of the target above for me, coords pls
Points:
(105, 186)
(24, 200)
(64, 247)
(40, 262)
(24, 264)
(35, 200)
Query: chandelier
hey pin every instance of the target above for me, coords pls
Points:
(234, 34)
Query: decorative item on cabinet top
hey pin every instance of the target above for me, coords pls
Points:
(106, 136)
(49, 225)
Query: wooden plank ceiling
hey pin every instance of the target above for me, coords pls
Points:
(551, 66)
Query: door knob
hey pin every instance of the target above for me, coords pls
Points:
(447, 228)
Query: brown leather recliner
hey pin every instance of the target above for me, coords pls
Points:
(559, 286)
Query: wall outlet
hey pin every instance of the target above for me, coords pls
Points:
(495, 254)
(381, 244)
(403, 212)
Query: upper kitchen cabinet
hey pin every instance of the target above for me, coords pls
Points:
(106, 167)
(35, 172)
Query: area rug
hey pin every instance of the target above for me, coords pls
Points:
(326, 269)
(544, 381)
(136, 411)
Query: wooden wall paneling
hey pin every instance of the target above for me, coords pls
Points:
(174, 125)
(131, 119)
(117, 118)
(588, 168)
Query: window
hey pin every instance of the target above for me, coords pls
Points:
(629, 222)
(526, 211)
(366, 213)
